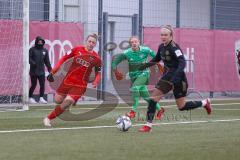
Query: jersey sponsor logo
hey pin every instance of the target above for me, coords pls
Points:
(82, 62)
(167, 53)
(168, 58)
(178, 53)
(91, 58)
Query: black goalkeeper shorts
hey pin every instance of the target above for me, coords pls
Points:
(179, 88)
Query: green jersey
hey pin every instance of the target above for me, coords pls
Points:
(134, 58)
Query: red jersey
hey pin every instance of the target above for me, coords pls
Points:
(81, 65)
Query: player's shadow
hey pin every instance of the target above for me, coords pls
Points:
(105, 107)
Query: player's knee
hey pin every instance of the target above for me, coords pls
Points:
(57, 101)
(33, 85)
(69, 100)
(59, 98)
(67, 103)
(135, 91)
(156, 98)
(147, 99)
(156, 95)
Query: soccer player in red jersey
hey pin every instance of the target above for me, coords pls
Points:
(82, 60)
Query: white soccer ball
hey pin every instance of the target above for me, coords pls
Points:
(123, 123)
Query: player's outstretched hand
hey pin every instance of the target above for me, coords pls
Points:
(160, 68)
(118, 74)
(50, 77)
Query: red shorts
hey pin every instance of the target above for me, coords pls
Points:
(72, 91)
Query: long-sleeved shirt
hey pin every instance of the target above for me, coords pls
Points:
(135, 59)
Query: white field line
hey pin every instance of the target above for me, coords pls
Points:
(217, 109)
(168, 106)
(86, 108)
(113, 126)
(226, 109)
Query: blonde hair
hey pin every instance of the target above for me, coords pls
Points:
(169, 28)
(129, 40)
(93, 35)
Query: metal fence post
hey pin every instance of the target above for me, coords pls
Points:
(100, 40)
(135, 25)
(178, 14)
(212, 13)
(104, 53)
(140, 30)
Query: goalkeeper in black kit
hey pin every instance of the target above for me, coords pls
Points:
(38, 59)
(174, 78)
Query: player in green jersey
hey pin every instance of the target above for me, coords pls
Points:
(136, 55)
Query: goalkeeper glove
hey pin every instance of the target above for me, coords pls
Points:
(160, 68)
(50, 77)
(119, 75)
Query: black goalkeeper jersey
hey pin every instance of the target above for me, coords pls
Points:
(38, 58)
(173, 60)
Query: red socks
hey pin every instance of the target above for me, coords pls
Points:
(56, 112)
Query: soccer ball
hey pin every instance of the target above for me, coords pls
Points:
(123, 123)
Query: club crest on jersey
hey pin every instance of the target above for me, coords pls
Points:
(82, 62)
(141, 56)
(43, 53)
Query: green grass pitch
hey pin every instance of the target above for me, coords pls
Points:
(178, 136)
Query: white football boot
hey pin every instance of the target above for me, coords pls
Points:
(42, 100)
(32, 100)
(47, 122)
